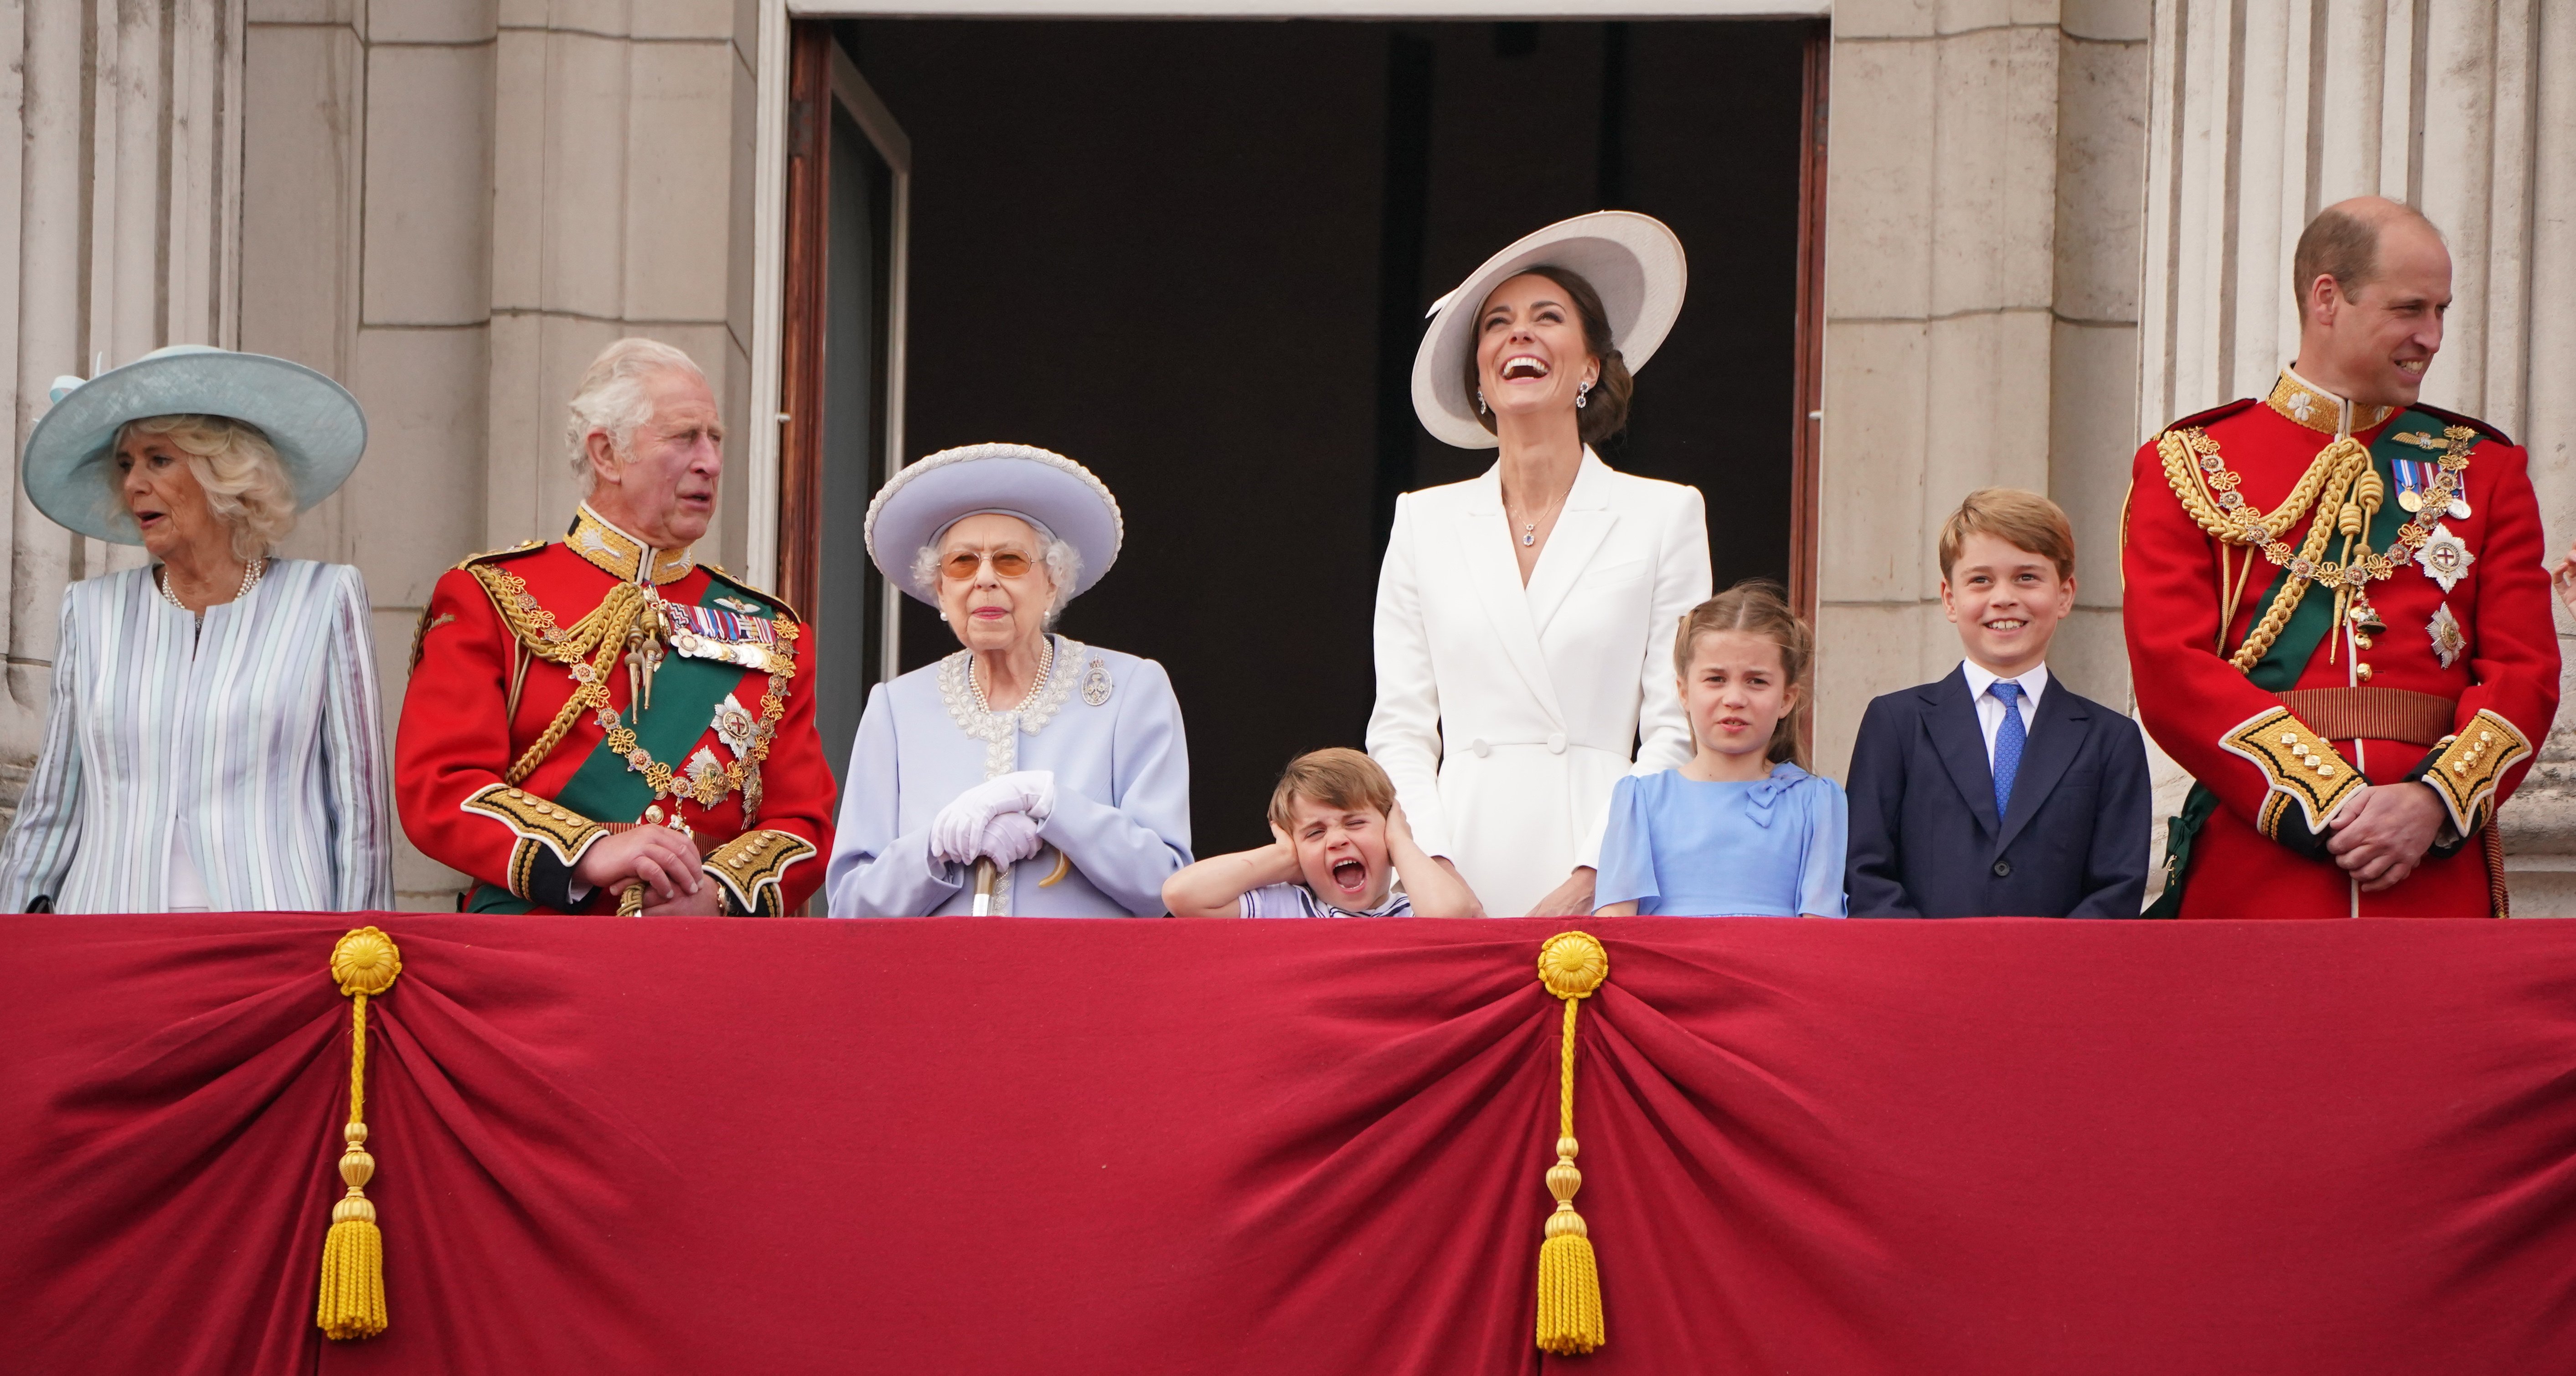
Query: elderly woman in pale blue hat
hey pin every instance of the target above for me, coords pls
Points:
(213, 742)
(1027, 774)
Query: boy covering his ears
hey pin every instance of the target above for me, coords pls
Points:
(1997, 791)
(1339, 847)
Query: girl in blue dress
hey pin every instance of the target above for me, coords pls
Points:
(1742, 829)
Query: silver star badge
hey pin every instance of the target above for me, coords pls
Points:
(2448, 639)
(733, 726)
(2445, 557)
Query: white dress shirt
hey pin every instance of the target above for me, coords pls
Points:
(1990, 708)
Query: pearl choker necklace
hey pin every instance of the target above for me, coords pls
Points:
(1046, 670)
(251, 574)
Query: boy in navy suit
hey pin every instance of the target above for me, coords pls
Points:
(1997, 791)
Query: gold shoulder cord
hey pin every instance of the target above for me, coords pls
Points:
(625, 614)
(2345, 491)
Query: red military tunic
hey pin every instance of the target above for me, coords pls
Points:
(2474, 667)
(725, 746)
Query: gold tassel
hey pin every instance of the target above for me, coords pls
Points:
(1571, 965)
(352, 1303)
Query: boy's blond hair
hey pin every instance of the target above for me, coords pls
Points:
(2023, 520)
(1338, 777)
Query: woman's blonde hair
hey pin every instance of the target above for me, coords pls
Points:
(246, 487)
(1759, 607)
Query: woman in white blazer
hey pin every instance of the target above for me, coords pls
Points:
(1525, 617)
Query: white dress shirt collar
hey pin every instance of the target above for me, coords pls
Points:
(2033, 682)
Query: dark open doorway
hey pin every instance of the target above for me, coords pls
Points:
(1196, 257)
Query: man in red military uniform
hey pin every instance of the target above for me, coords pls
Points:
(2337, 616)
(603, 724)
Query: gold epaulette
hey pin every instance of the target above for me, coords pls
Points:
(2471, 763)
(750, 866)
(2298, 765)
(536, 822)
(523, 547)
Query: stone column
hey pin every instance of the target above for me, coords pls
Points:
(1981, 270)
(2266, 111)
(120, 195)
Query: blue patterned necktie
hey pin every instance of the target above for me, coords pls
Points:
(2009, 739)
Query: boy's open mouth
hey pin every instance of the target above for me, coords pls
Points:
(1350, 876)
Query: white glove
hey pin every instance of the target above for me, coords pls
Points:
(957, 833)
(1009, 839)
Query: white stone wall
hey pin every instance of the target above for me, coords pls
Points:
(2265, 111)
(1981, 300)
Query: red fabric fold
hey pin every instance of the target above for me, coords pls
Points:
(1003, 1146)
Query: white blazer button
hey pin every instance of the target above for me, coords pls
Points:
(1478, 745)
(1556, 742)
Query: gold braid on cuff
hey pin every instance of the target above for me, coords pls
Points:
(2298, 765)
(2471, 763)
(536, 822)
(750, 866)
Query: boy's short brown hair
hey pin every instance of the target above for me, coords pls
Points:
(2023, 520)
(1339, 777)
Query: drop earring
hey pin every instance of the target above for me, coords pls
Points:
(1480, 401)
(1582, 396)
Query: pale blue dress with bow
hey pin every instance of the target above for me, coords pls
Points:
(1683, 848)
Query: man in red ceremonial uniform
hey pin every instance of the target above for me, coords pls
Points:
(603, 724)
(2337, 616)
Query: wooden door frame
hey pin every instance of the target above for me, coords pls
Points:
(822, 76)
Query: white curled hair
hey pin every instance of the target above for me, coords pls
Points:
(1063, 566)
(246, 486)
(611, 399)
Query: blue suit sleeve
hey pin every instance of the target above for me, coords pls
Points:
(1875, 870)
(874, 871)
(1130, 844)
(1820, 879)
(2115, 869)
(1627, 851)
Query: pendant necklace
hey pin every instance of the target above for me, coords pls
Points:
(1529, 528)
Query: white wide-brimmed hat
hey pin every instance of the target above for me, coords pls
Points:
(314, 424)
(1060, 497)
(1633, 260)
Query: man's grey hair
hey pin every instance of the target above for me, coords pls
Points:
(611, 399)
(1063, 566)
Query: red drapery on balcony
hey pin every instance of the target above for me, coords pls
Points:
(1073, 1147)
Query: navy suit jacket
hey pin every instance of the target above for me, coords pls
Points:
(1925, 841)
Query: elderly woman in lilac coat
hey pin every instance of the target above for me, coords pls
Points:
(1027, 774)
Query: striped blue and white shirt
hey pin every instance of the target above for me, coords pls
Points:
(253, 742)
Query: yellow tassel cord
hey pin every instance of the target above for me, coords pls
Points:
(352, 1304)
(1571, 965)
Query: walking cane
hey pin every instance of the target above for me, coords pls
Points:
(985, 874)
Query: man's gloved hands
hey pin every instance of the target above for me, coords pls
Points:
(972, 827)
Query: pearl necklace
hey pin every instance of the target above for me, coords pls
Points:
(251, 574)
(1046, 670)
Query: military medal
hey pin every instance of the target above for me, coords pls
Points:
(2448, 640)
(2445, 557)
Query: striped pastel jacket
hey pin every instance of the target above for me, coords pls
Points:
(255, 738)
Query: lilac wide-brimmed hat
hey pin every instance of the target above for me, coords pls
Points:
(1633, 260)
(1060, 497)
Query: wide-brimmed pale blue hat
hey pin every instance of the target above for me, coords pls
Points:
(68, 470)
(1058, 496)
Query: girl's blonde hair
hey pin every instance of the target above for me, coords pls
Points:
(1759, 607)
(246, 487)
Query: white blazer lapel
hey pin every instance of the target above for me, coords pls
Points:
(1485, 554)
(1586, 521)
